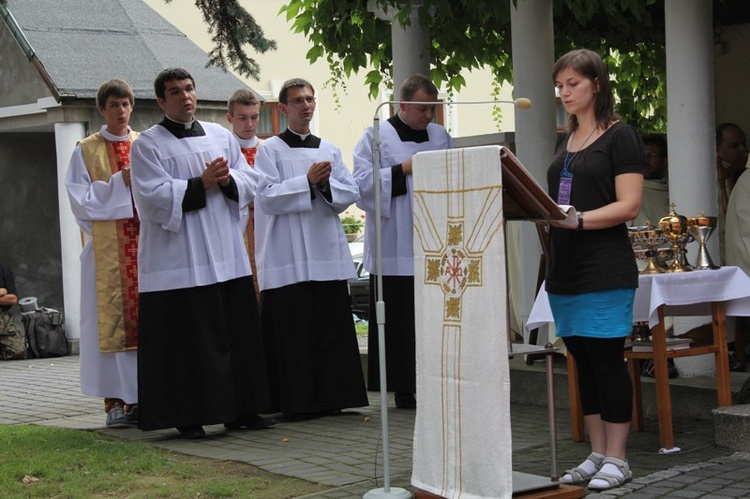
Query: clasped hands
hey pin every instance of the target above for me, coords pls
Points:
(319, 174)
(216, 173)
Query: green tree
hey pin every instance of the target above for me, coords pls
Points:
(466, 35)
(474, 34)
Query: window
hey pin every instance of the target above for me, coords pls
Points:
(272, 121)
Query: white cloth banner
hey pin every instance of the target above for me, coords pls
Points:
(462, 435)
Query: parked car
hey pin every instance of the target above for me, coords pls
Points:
(357, 247)
(359, 289)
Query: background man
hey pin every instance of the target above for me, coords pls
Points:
(201, 358)
(98, 185)
(8, 293)
(303, 265)
(731, 157)
(243, 114)
(12, 337)
(408, 132)
(738, 253)
(655, 200)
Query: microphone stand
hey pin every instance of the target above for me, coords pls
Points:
(386, 490)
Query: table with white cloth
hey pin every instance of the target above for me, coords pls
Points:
(720, 293)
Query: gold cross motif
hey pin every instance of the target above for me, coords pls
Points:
(453, 268)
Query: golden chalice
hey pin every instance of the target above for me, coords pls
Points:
(663, 258)
(686, 238)
(701, 228)
(650, 239)
(675, 227)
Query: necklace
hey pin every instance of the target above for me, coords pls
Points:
(569, 159)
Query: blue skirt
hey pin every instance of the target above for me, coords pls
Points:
(601, 314)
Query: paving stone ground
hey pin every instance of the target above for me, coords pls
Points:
(345, 452)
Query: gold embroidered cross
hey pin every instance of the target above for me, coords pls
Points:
(453, 268)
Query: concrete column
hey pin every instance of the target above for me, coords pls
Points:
(690, 107)
(411, 50)
(533, 57)
(66, 137)
(690, 132)
(410, 44)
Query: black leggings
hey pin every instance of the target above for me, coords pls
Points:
(603, 380)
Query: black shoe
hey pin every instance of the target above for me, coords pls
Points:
(252, 422)
(737, 366)
(131, 413)
(647, 368)
(191, 432)
(405, 400)
(304, 416)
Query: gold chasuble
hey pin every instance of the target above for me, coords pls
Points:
(115, 244)
(249, 154)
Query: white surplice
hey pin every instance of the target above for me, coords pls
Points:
(396, 211)
(738, 224)
(106, 375)
(180, 249)
(298, 238)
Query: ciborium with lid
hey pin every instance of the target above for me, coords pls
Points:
(675, 227)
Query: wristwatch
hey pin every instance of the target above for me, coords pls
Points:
(579, 215)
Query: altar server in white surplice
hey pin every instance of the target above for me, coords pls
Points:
(303, 266)
(98, 185)
(402, 136)
(201, 355)
(738, 251)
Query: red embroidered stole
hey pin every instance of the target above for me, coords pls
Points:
(115, 244)
(249, 154)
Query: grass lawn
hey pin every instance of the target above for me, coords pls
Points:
(361, 329)
(38, 461)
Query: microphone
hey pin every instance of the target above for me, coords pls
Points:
(522, 103)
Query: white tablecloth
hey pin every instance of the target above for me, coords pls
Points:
(682, 293)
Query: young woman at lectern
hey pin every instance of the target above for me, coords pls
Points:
(591, 269)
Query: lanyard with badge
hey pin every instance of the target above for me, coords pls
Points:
(566, 176)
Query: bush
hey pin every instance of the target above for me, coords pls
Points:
(351, 223)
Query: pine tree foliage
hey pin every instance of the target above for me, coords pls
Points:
(232, 28)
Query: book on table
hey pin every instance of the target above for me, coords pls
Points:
(672, 344)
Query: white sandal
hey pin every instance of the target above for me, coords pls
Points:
(579, 475)
(611, 480)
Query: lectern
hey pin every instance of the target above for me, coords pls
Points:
(460, 204)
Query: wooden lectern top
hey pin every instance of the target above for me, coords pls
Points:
(523, 197)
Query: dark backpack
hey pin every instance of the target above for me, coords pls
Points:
(45, 333)
(12, 336)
